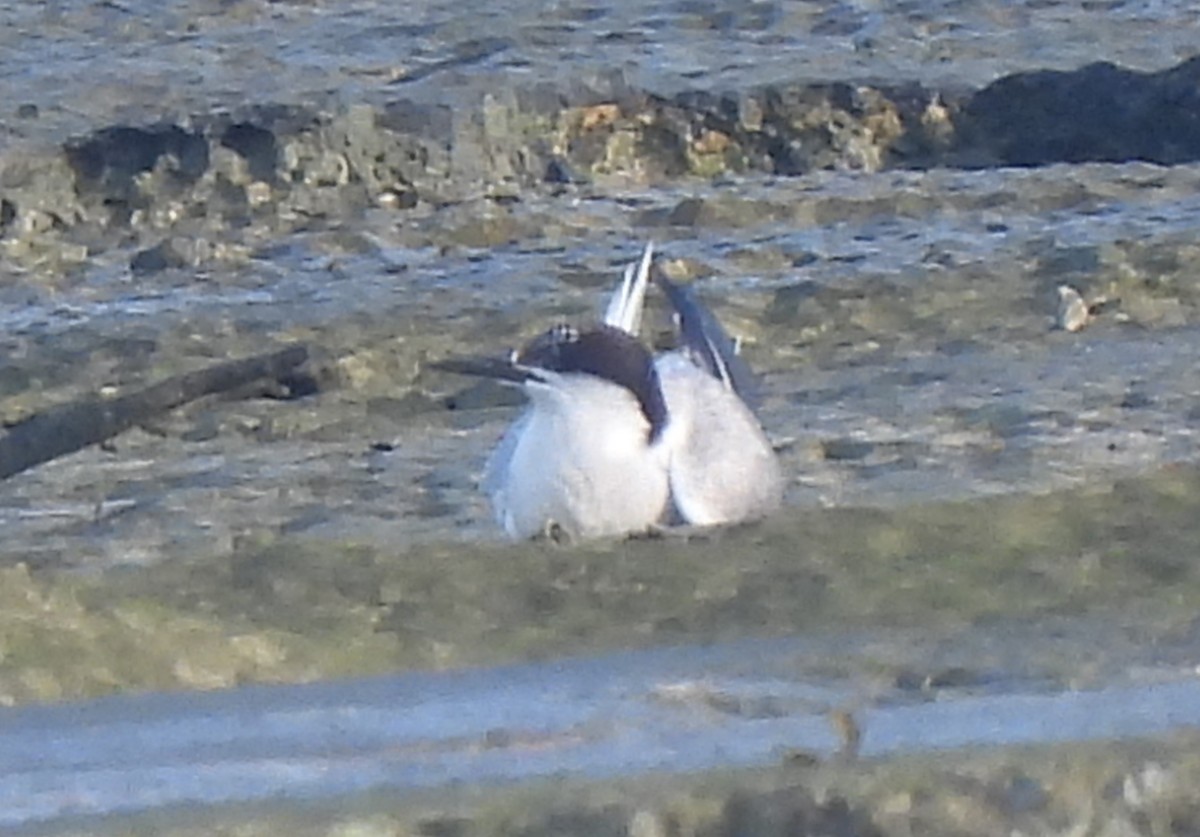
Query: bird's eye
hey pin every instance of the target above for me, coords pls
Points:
(546, 349)
(563, 333)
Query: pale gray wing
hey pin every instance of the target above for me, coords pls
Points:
(722, 466)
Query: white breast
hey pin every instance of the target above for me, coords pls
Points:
(579, 458)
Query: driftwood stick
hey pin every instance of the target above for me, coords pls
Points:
(71, 427)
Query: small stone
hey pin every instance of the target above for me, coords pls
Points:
(750, 114)
(849, 733)
(647, 824)
(937, 119)
(35, 222)
(1147, 787)
(1073, 314)
(328, 169)
(598, 116)
(711, 142)
(397, 199)
(258, 193)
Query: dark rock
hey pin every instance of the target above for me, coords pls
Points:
(406, 199)
(1098, 113)
(322, 163)
(797, 305)
(106, 163)
(280, 120)
(1059, 264)
(430, 122)
(559, 170)
(257, 146)
(791, 811)
(602, 821)
(1020, 794)
(686, 213)
(161, 256)
(1136, 399)
(845, 449)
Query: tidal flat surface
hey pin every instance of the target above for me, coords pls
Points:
(988, 519)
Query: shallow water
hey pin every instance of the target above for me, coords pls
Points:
(679, 709)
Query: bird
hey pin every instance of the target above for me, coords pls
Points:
(617, 441)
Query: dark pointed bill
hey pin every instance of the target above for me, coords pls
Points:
(707, 341)
(484, 367)
(605, 352)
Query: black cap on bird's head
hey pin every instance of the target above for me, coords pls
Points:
(605, 352)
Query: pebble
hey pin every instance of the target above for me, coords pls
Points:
(1073, 313)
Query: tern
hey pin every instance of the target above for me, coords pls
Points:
(615, 441)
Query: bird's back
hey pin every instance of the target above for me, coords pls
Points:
(723, 468)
